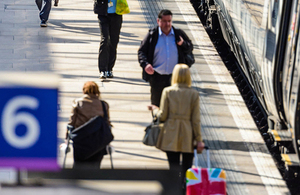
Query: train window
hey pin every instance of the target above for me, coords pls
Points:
(275, 13)
(271, 38)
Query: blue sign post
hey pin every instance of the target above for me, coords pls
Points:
(28, 121)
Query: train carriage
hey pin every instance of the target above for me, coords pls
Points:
(263, 36)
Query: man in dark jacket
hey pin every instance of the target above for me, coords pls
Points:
(110, 26)
(163, 47)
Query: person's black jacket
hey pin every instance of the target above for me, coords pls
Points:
(146, 50)
(100, 7)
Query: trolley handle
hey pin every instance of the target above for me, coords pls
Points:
(207, 154)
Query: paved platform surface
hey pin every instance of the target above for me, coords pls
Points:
(69, 46)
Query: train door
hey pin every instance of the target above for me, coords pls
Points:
(288, 64)
(269, 26)
(294, 109)
(278, 18)
(291, 76)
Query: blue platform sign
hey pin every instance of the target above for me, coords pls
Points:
(28, 121)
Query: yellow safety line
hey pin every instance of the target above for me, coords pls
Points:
(277, 137)
(287, 159)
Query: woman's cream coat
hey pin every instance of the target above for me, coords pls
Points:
(180, 112)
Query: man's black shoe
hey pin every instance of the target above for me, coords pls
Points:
(56, 2)
(109, 74)
(43, 23)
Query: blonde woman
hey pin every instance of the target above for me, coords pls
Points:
(85, 108)
(180, 112)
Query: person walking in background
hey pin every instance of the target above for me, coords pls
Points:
(162, 48)
(44, 6)
(110, 27)
(84, 109)
(180, 112)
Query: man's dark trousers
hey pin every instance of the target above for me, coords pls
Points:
(110, 27)
(44, 6)
(158, 82)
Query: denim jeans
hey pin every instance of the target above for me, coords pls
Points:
(110, 28)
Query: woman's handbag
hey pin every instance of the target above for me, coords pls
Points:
(152, 132)
(122, 7)
(92, 136)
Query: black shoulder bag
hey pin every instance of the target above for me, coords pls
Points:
(91, 137)
(189, 59)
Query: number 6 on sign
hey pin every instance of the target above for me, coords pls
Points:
(28, 120)
(11, 118)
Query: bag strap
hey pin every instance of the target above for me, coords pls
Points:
(153, 118)
(104, 109)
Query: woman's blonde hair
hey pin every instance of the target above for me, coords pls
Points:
(91, 88)
(181, 74)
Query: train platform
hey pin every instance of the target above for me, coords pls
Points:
(69, 48)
